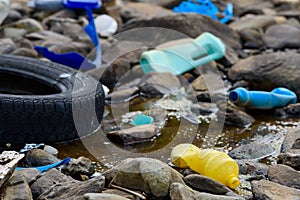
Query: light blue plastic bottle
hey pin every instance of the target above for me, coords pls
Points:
(182, 58)
(278, 97)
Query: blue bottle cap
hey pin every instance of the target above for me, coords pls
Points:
(93, 4)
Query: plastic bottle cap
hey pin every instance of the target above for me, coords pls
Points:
(233, 182)
(106, 25)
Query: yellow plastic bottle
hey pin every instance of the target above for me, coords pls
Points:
(207, 162)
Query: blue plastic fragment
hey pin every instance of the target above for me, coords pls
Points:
(278, 97)
(142, 119)
(93, 4)
(47, 167)
(204, 7)
(74, 59)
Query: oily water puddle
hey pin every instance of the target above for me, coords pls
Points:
(267, 129)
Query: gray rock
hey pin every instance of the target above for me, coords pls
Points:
(65, 26)
(23, 43)
(46, 180)
(134, 135)
(48, 35)
(205, 184)
(282, 36)
(30, 174)
(73, 189)
(252, 168)
(202, 108)
(16, 188)
(268, 71)
(25, 52)
(269, 190)
(142, 10)
(284, 175)
(290, 158)
(145, 174)
(164, 3)
(103, 196)
(12, 16)
(9, 32)
(38, 157)
(119, 193)
(257, 22)
(6, 46)
(159, 84)
(28, 24)
(253, 150)
(79, 166)
(199, 84)
(292, 140)
(234, 116)
(292, 110)
(185, 23)
(124, 95)
(251, 39)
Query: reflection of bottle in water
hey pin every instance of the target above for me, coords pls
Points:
(4, 9)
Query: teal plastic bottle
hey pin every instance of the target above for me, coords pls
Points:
(278, 97)
(184, 57)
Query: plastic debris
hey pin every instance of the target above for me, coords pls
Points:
(182, 58)
(106, 25)
(141, 119)
(4, 9)
(29, 147)
(47, 167)
(278, 97)
(60, 4)
(205, 7)
(208, 162)
(74, 59)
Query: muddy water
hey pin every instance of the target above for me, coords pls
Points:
(267, 129)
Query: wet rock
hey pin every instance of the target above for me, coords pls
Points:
(30, 174)
(290, 158)
(202, 108)
(142, 10)
(205, 184)
(252, 168)
(292, 110)
(251, 39)
(185, 23)
(267, 71)
(284, 175)
(234, 116)
(123, 95)
(179, 191)
(257, 22)
(206, 96)
(119, 193)
(38, 157)
(282, 36)
(291, 140)
(145, 174)
(134, 135)
(25, 52)
(16, 188)
(103, 196)
(79, 166)
(269, 190)
(6, 46)
(73, 189)
(159, 84)
(46, 180)
(250, 151)
(199, 84)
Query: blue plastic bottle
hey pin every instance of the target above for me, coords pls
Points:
(278, 97)
(59, 4)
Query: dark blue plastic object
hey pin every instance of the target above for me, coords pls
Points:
(74, 59)
(278, 97)
(204, 7)
(47, 167)
(92, 4)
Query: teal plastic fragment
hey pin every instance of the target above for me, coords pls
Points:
(179, 59)
(142, 119)
(47, 167)
(278, 97)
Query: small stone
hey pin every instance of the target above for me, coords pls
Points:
(49, 36)
(119, 192)
(202, 108)
(103, 196)
(269, 190)
(13, 32)
(123, 95)
(23, 43)
(290, 158)
(292, 140)
(38, 157)
(205, 184)
(51, 150)
(199, 84)
(6, 46)
(251, 39)
(12, 16)
(30, 174)
(134, 135)
(292, 110)
(79, 166)
(252, 168)
(25, 52)
(253, 150)
(284, 175)
(28, 24)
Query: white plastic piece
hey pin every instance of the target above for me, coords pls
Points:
(51, 150)
(106, 25)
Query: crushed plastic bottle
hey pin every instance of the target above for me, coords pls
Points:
(60, 4)
(4, 9)
(207, 162)
(181, 58)
(278, 97)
